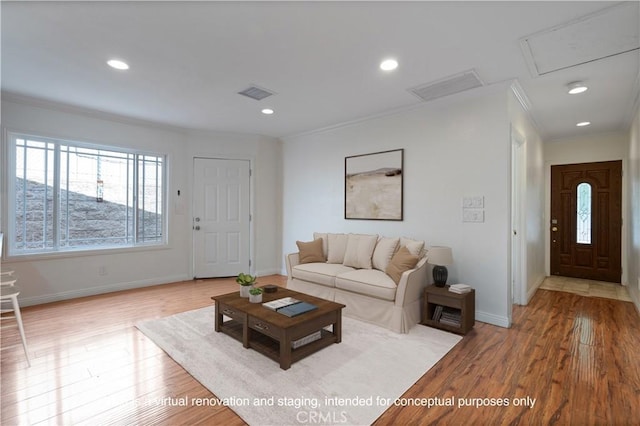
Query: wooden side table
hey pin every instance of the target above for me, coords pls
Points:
(449, 311)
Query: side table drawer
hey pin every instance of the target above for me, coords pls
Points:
(264, 327)
(445, 301)
(232, 313)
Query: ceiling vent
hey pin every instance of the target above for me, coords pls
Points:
(447, 86)
(255, 92)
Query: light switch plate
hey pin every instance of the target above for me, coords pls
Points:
(473, 215)
(476, 202)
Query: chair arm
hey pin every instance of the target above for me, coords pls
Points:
(412, 284)
(291, 260)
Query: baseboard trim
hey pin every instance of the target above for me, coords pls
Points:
(535, 288)
(272, 271)
(93, 291)
(493, 319)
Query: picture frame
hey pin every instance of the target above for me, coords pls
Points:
(373, 186)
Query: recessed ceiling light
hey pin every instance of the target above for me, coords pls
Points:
(583, 123)
(118, 64)
(576, 87)
(389, 65)
(268, 111)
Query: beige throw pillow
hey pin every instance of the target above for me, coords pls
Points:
(310, 252)
(401, 261)
(414, 246)
(385, 248)
(337, 244)
(359, 250)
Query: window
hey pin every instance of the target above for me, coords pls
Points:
(73, 196)
(583, 214)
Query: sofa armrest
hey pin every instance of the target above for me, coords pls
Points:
(291, 260)
(412, 284)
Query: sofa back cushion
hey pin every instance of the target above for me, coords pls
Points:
(337, 245)
(325, 242)
(311, 252)
(384, 251)
(402, 261)
(359, 250)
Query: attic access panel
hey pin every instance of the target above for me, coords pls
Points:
(609, 32)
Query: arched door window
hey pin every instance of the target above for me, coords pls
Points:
(583, 214)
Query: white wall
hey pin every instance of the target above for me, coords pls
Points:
(633, 231)
(533, 200)
(455, 147)
(265, 155)
(584, 149)
(51, 278)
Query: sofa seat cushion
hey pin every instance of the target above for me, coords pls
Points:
(320, 273)
(369, 282)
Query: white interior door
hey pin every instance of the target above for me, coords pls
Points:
(221, 217)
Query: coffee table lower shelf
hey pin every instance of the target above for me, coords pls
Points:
(270, 347)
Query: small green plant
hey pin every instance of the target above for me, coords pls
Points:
(255, 291)
(246, 279)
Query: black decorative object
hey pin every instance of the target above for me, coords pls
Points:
(440, 275)
(439, 256)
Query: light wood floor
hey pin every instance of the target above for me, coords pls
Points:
(587, 288)
(577, 356)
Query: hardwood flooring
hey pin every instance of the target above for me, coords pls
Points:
(576, 356)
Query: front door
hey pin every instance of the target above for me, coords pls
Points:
(221, 217)
(586, 220)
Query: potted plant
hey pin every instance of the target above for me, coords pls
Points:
(255, 295)
(246, 281)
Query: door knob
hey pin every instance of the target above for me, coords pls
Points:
(197, 227)
(554, 229)
(197, 219)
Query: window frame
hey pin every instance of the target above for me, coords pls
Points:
(588, 185)
(10, 145)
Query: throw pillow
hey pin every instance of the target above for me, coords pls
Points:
(359, 250)
(310, 252)
(401, 261)
(385, 248)
(325, 242)
(337, 244)
(414, 246)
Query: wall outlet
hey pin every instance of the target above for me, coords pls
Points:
(102, 270)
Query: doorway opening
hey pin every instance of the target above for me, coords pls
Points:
(586, 221)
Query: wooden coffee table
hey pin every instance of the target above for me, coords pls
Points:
(270, 332)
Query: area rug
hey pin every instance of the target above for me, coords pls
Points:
(351, 383)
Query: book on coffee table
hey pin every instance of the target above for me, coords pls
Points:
(296, 309)
(274, 305)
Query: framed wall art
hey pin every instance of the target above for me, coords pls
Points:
(373, 186)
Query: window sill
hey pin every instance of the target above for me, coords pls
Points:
(30, 257)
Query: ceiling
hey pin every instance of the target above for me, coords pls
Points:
(188, 60)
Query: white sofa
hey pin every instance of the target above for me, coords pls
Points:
(354, 272)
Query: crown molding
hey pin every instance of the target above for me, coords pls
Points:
(458, 97)
(6, 96)
(525, 103)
